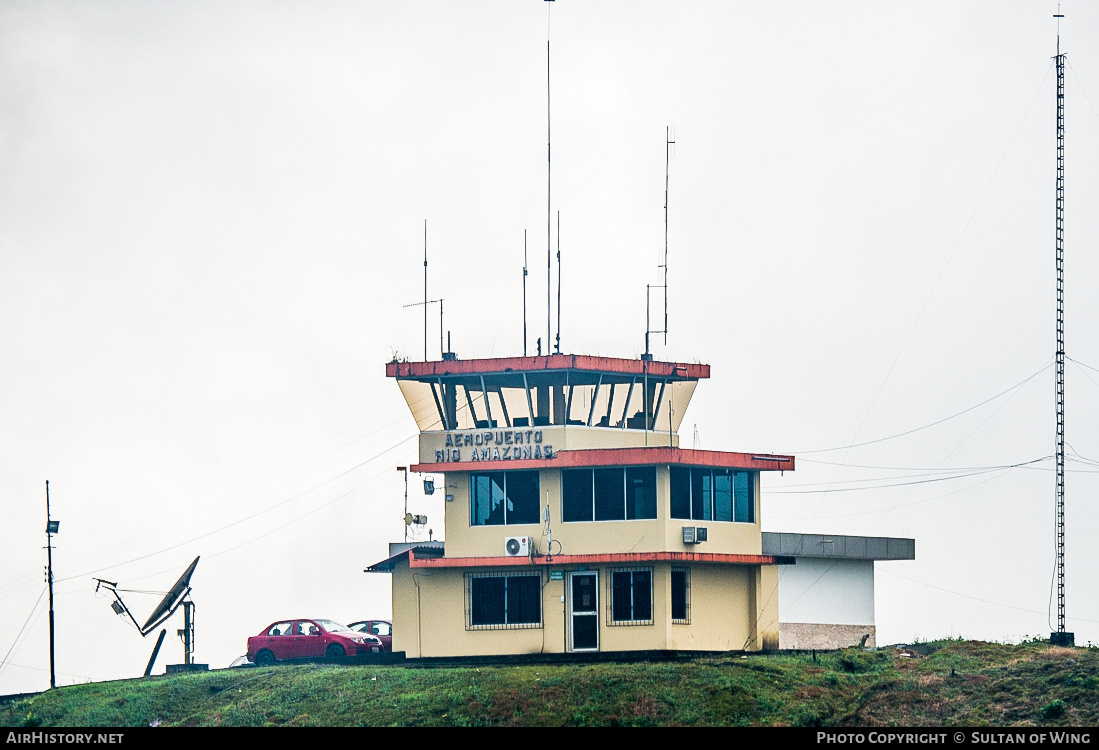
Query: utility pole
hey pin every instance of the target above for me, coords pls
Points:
(51, 529)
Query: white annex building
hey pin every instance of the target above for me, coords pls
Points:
(826, 599)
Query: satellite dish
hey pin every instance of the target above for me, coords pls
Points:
(171, 600)
(169, 604)
(176, 597)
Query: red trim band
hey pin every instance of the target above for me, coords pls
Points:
(625, 457)
(614, 365)
(618, 558)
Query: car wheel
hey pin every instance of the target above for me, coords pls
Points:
(335, 651)
(265, 658)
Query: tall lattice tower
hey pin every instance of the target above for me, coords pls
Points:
(1060, 637)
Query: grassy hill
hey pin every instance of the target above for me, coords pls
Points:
(941, 683)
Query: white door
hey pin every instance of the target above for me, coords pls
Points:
(584, 611)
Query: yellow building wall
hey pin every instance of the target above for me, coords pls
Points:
(561, 438)
(429, 617)
(664, 534)
(732, 608)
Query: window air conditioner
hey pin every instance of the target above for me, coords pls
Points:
(694, 535)
(517, 546)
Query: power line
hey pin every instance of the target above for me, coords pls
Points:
(830, 489)
(932, 424)
(921, 470)
(986, 480)
(4, 662)
(979, 599)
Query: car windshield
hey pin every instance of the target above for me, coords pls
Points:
(330, 626)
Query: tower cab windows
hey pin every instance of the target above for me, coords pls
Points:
(608, 494)
(502, 498)
(712, 495)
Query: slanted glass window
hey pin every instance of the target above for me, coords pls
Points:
(500, 600)
(712, 495)
(631, 597)
(681, 595)
(608, 494)
(503, 497)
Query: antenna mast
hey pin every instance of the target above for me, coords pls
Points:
(426, 302)
(524, 292)
(558, 345)
(549, 183)
(425, 290)
(1060, 638)
(664, 266)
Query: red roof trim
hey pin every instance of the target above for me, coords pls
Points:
(615, 558)
(626, 457)
(675, 370)
(387, 565)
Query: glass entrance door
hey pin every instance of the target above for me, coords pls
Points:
(584, 611)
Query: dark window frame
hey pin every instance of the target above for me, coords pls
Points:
(526, 584)
(616, 607)
(505, 497)
(684, 607)
(693, 494)
(632, 504)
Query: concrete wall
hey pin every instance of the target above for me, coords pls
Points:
(811, 635)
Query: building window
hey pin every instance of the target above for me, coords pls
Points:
(681, 595)
(503, 497)
(712, 495)
(503, 600)
(608, 494)
(631, 597)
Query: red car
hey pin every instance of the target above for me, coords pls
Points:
(305, 639)
(382, 629)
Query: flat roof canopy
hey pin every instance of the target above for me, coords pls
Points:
(839, 546)
(628, 368)
(434, 558)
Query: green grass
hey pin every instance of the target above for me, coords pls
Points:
(940, 683)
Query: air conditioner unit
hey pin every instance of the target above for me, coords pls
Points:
(694, 535)
(517, 546)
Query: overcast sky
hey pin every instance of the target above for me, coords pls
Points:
(212, 217)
